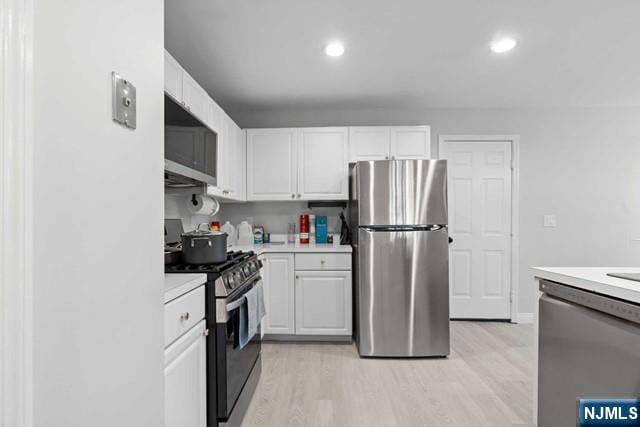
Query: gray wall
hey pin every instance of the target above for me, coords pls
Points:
(580, 164)
(98, 193)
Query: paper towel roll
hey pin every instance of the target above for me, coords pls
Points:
(203, 205)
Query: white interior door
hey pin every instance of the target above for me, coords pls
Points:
(479, 182)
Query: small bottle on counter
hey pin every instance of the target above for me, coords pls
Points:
(304, 229)
(291, 234)
(258, 234)
(312, 229)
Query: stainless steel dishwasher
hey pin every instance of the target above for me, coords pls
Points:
(589, 347)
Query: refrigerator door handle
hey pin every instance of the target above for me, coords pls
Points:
(399, 228)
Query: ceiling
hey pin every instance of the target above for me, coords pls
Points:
(268, 54)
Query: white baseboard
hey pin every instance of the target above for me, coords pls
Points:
(524, 318)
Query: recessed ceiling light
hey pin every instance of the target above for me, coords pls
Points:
(503, 45)
(334, 49)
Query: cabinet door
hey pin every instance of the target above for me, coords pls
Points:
(240, 180)
(194, 97)
(323, 170)
(214, 115)
(323, 302)
(410, 142)
(369, 143)
(172, 77)
(227, 156)
(278, 281)
(185, 380)
(272, 164)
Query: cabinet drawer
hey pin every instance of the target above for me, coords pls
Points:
(182, 314)
(323, 261)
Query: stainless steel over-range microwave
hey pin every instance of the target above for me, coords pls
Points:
(190, 147)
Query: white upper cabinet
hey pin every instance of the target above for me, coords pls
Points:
(241, 164)
(369, 143)
(297, 164)
(231, 178)
(384, 142)
(194, 97)
(227, 144)
(179, 85)
(410, 142)
(172, 77)
(323, 169)
(214, 115)
(272, 164)
(230, 155)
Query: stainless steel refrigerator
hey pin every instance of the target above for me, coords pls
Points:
(398, 218)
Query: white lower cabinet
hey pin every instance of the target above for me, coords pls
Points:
(278, 281)
(307, 294)
(323, 302)
(185, 380)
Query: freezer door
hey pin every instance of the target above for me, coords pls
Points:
(402, 192)
(403, 293)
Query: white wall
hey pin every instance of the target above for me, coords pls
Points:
(580, 164)
(98, 209)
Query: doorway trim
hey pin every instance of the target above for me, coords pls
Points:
(16, 219)
(514, 140)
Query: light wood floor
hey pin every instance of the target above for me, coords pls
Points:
(485, 382)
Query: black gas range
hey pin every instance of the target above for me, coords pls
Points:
(232, 372)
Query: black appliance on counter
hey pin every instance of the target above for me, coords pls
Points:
(232, 372)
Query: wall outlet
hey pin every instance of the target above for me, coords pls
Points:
(549, 221)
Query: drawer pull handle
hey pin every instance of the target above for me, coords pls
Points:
(184, 316)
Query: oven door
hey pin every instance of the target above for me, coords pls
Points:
(234, 365)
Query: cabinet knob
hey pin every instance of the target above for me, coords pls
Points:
(184, 316)
(322, 261)
(299, 195)
(386, 157)
(293, 196)
(297, 277)
(206, 332)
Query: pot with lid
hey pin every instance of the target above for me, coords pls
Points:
(204, 246)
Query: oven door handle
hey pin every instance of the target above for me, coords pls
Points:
(235, 304)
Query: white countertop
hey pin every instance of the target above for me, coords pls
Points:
(594, 279)
(293, 247)
(176, 284)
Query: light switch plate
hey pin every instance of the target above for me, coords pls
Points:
(123, 101)
(549, 221)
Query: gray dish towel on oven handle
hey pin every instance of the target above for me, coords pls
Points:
(252, 311)
(255, 308)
